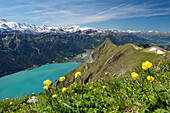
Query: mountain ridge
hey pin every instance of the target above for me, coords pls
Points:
(112, 59)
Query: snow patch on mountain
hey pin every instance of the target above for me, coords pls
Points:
(29, 28)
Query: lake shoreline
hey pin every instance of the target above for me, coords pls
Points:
(78, 60)
(25, 82)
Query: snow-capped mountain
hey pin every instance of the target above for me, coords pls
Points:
(29, 28)
(33, 29)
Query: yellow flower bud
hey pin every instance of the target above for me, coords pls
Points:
(62, 79)
(104, 87)
(77, 74)
(64, 89)
(146, 65)
(160, 62)
(150, 78)
(106, 73)
(134, 75)
(10, 103)
(45, 87)
(163, 54)
(47, 82)
(7, 98)
(114, 75)
(54, 96)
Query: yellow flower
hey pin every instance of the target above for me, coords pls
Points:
(60, 100)
(87, 84)
(127, 79)
(90, 87)
(163, 54)
(54, 96)
(150, 78)
(169, 51)
(33, 93)
(62, 79)
(61, 96)
(134, 75)
(64, 89)
(160, 62)
(75, 93)
(144, 96)
(114, 75)
(92, 82)
(47, 82)
(45, 87)
(72, 91)
(94, 90)
(98, 80)
(146, 65)
(10, 103)
(106, 73)
(104, 87)
(77, 74)
(7, 98)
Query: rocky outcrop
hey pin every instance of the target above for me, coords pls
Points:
(91, 59)
(32, 100)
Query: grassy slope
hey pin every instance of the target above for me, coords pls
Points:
(110, 58)
(121, 94)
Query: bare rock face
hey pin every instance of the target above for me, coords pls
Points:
(32, 99)
(86, 67)
(91, 58)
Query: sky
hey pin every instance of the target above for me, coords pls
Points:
(101, 14)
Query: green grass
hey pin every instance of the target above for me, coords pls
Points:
(122, 94)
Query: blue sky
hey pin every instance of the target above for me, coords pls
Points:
(102, 14)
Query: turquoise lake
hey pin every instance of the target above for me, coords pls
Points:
(29, 81)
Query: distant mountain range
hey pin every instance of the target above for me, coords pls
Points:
(32, 29)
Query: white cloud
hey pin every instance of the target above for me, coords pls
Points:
(68, 12)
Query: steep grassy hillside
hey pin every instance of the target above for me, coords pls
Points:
(113, 59)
